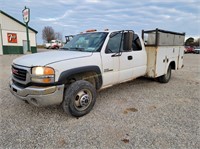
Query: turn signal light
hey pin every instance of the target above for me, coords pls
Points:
(48, 71)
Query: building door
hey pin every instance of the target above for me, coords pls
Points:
(1, 44)
(25, 47)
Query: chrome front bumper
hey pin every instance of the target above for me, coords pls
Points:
(38, 96)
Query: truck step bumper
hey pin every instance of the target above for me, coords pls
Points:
(38, 96)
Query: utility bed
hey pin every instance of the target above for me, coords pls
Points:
(162, 46)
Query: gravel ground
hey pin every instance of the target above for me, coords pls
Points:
(138, 114)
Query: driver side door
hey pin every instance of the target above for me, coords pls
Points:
(111, 60)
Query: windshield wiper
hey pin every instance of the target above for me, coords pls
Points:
(64, 48)
(78, 49)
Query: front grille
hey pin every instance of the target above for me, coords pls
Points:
(19, 84)
(19, 74)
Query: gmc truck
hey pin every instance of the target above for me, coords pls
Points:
(92, 61)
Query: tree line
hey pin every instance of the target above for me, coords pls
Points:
(192, 42)
(49, 34)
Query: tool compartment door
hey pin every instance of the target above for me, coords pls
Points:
(180, 57)
(161, 61)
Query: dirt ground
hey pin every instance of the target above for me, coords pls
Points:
(139, 114)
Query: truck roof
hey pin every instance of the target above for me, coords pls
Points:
(106, 31)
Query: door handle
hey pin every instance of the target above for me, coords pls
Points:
(130, 57)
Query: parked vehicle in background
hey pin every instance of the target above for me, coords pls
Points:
(197, 50)
(92, 61)
(54, 44)
(189, 49)
(47, 45)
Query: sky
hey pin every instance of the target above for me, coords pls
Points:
(71, 17)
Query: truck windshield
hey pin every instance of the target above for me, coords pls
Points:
(87, 42)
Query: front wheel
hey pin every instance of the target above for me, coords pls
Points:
(80, 98)
(165, 78)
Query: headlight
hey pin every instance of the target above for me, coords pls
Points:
(43, 75)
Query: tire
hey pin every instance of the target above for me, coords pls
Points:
(165, 78)
(79, 98)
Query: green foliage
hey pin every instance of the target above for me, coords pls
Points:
(189, 41)
(197, 42)
(192, 42)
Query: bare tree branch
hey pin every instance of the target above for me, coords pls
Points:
(48, 34)
(58, 36)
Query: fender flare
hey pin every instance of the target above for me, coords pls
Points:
(174, 66)
(66, 74)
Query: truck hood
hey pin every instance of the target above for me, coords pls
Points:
(45, 58)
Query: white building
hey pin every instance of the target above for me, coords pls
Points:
(13, 39)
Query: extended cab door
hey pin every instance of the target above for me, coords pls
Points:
(125, 57)
(120, 64)
(133, 61)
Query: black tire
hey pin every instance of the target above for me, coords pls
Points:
(165, 78)
(79, 98)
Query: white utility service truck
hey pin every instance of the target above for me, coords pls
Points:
(92, 61)
(54, 44)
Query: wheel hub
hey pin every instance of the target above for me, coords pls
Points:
(84, 100)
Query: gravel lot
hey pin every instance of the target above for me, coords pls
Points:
(138, 114)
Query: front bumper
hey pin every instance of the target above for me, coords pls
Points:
(38, 96)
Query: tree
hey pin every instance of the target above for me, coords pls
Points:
(197, 42)
(48, 34)
(58, 36)
(189, 41)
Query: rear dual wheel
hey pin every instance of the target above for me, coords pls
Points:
(165, 78)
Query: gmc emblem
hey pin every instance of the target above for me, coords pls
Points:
(14, 71)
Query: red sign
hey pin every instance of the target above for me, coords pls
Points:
(26, 15)
(12, 37)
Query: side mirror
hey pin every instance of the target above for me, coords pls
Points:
(128, 39)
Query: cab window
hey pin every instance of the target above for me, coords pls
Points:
(136, 45)
(114, 43)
